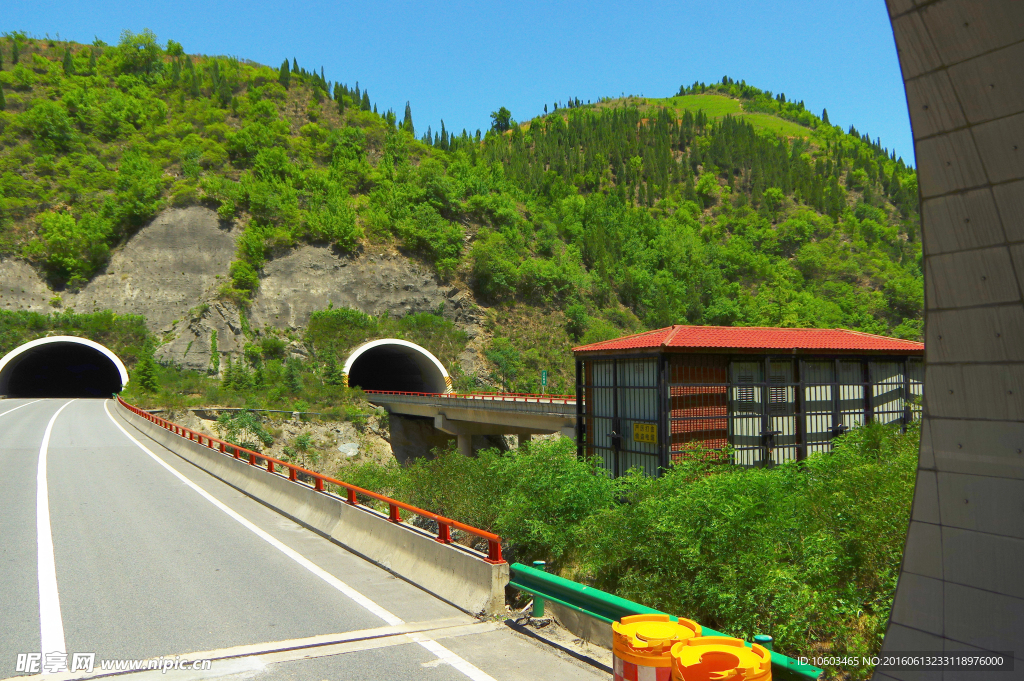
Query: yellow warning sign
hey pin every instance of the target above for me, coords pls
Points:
(645, 432)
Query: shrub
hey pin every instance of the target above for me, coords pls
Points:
(70, 249)
(139, 53)
(243, 276)
(50, 124)
(244, 428)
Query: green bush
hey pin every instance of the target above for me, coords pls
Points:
(70, 250)
(244, 277)
(808, 553)
(531, 497)
(50, 124)
(244, 428)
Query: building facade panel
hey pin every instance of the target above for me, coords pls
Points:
(756, 405)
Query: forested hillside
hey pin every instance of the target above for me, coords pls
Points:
(721, 205)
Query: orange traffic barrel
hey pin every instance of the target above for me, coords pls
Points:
(642, 646)
(720, 658)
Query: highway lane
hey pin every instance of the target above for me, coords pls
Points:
(136, 550)
(20, 436)
(147, 567)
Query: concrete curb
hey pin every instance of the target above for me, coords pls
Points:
(590, 629)
(455, 574)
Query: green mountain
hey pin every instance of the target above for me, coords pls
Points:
(721, 205)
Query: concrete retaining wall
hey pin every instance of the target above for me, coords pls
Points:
(453, 573)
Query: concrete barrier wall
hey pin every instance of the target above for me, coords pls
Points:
(458, 575)
(590, 629)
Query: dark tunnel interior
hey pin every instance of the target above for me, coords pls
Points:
(63, 370)
(390, 368)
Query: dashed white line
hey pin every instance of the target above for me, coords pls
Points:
(442, 653)
(51, 624)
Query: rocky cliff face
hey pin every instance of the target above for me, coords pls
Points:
(309, 278)
(170, 266)
(21, 288)
(172, 269)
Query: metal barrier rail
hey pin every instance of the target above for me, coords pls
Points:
(610, 608)
(530, 398)
(444, 525)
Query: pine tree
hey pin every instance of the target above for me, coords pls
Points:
(332, 373)
(366, 101)
(92, 61)
(295, 65)
(214, 354)
(69, 63)
(3, 102)
(229, 375)
(824, 116)
(1, 58)
(292, 379)
(407, 121)
(284, 76)
(15, 51)
(145, 374)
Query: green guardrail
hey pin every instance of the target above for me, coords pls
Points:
(610, 608)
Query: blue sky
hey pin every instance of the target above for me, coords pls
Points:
(460, 60)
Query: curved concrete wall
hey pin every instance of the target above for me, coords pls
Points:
(10, 362)
(392, 355)
(962, 581)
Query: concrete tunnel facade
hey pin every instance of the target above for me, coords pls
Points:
(959, 586)
(61, 366)
(396, 365)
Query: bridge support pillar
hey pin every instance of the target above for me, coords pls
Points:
(524, 439)
(465, 444)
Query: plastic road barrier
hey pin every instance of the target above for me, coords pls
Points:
(642, 646)
(720, 658)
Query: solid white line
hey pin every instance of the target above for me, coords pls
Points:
(19, 407)
(51, 624)
(436, 648)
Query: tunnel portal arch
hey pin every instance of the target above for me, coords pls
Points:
(61, 366)
(396, 365)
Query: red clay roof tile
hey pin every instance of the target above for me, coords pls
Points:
(755, 338)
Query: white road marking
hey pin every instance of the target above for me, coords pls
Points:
(19, 407)
(434, 647)
(247, 660)
(51, 624)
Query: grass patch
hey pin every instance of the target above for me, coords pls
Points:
(718, 107)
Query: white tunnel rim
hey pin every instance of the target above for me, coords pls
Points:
(355, 354)
(72, 340)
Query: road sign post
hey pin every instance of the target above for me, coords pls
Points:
(544, 381)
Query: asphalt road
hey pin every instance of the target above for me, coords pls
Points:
(153, 557)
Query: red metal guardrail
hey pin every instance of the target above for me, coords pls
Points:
(444, 525)
(497, 397)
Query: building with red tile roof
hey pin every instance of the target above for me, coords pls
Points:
(763, 395)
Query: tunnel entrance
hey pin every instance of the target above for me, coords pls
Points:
(396, 365)
(62, 366)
